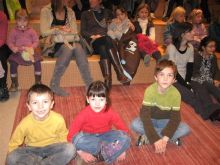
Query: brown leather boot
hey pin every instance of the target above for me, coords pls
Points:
(115, 59)
(105, 66)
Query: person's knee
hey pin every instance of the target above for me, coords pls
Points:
(69, 150)
(11, 158)
(185, 129)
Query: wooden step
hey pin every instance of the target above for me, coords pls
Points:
(72, 76)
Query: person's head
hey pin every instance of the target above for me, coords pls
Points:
(207, 46)
(196, 16)
(143, 12)
(58, 4)
(40, 101)
(165, 74)
(121, 13)
(178, 14)
(182, 32)
(95, 3)
(21, 18)
(98, 96)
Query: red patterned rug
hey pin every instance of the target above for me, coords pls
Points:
(201, 147)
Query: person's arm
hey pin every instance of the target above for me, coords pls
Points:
(189, 71)
(75, 126)
(85, 32)
(167, 37)
(216, 69)
(17, 138)
(11, 41)
(61, 131)
(4, 28)
(152, 33)
(45, 24)
(111, 29)
(72, 18)
(35, 39)
(118, 122)
(145, 115)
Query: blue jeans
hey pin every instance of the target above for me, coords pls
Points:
(93, 143)
(56, 154)
(159, 124)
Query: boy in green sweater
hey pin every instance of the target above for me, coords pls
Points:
(159, 120)
(42, 133)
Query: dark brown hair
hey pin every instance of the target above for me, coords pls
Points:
(39, 89)
(140, 7)
(99, 89)
(165, 64)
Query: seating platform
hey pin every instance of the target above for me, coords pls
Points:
(72, 76)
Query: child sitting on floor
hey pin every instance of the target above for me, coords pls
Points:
(43, 133)
(160, 120)
(23, 41)
(91, 130)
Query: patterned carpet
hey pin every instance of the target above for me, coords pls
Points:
(201, 147)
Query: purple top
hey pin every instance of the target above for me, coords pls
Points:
(3, 27)
(19, 38)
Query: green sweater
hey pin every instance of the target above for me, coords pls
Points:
(160, 106)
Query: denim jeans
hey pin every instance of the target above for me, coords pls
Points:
(92, 143)
(54, 154)
(159, 124)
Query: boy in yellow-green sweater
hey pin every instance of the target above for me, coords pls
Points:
(160, 121)
(42, 133)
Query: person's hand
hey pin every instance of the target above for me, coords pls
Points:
(121, 157)
(160, 145)
(94, 37)
(131, 26)
(87, 157)
(15, 49)
(216, 83)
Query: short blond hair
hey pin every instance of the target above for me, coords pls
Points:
(194, 13)
(177, 11)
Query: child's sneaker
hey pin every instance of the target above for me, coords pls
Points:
(178, 142)
(142, 140)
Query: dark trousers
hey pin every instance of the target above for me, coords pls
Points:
(199, 99)
(4, 54)
(102, 45)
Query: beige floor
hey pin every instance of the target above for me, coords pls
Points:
(7, 114)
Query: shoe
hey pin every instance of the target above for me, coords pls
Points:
(142, 140)
(178, 142)
(13, 88)
(215, 116)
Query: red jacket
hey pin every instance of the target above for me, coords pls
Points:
(92, 122)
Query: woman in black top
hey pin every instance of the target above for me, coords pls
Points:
(94, 30)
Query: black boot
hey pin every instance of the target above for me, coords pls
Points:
(215, 116)
(122, 75)
(105, 66)
(4, 95)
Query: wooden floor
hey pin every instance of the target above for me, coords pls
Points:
(201, 147)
